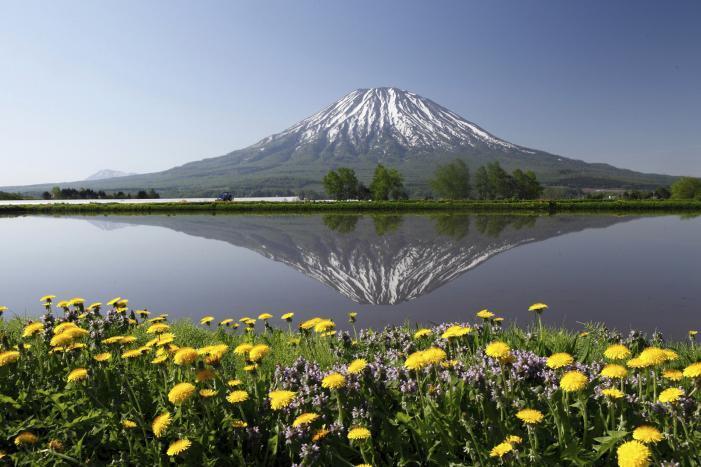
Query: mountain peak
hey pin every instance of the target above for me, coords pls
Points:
(385, 119)
(108, 173)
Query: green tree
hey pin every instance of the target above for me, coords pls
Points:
(526, 185)
(686, 188)
(341, 184)
(387, 184)
(500, 181)
(452, 180)
(56, 192)
(482, 185)
(341, 223)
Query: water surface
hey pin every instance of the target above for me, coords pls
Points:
(628, 272)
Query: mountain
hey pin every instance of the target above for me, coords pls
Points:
(108, 173)
(387, 125)
(380, 259)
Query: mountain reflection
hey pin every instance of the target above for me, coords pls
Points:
(380, 259)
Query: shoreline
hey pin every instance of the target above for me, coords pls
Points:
(356, 206)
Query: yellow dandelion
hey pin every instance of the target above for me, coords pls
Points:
(653, 356)
(513, 439)
(135, 353)
(558, 360)
(32, 328)
(158, 328)
(499, 350)
(125, 340)
(26, 438)
(243, 349)
(250, 368)
(305, 419)
(112, 340)
(309, 324)
(239, 424)
(160, 359)
(265, 316)
(530, 416)
(206, 393)
(614, 371)
(9, 356)
(234, 382)
(160, 424)
(612, 393)
(356, 366)
(287, 317)
(320, 434)
(670, 395)
(573, 381)
(280, 399)
(102, 357)
(617, 352)
(672, 375)
(423, 332)
(501, 449)
(693, 370)
(257, 352)
(79, 374)
(485, 314)
(324, 325)
(538, 307)
(181, 392)
(455, 331)
(61, 340)
(47, 298)
(236, 397)
(128, 424)
(185, 356)
(633, 454)
(333, 381)
(424, 358)
(671, 355)
(358, 433)
(207, 320)
(647, 434)
(178, 447)
(636, 363)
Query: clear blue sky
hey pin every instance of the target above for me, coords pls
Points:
(145, 85)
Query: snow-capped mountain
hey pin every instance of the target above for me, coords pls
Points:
(390, 126)
(108, 173)
(368, 119)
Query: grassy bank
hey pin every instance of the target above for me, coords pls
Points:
(359, 206)
(114, 386)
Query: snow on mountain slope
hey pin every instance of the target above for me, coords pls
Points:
(367, 117)
(108, 173)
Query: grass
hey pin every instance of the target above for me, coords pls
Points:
(384, 397)
(358, 206)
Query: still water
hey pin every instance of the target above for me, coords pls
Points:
(627, 272)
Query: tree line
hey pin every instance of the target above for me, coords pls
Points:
(87, 193)
(450, 181)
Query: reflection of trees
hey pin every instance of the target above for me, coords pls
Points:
(386, 223)
(492, 226)
(341, 223)
(453, 225)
